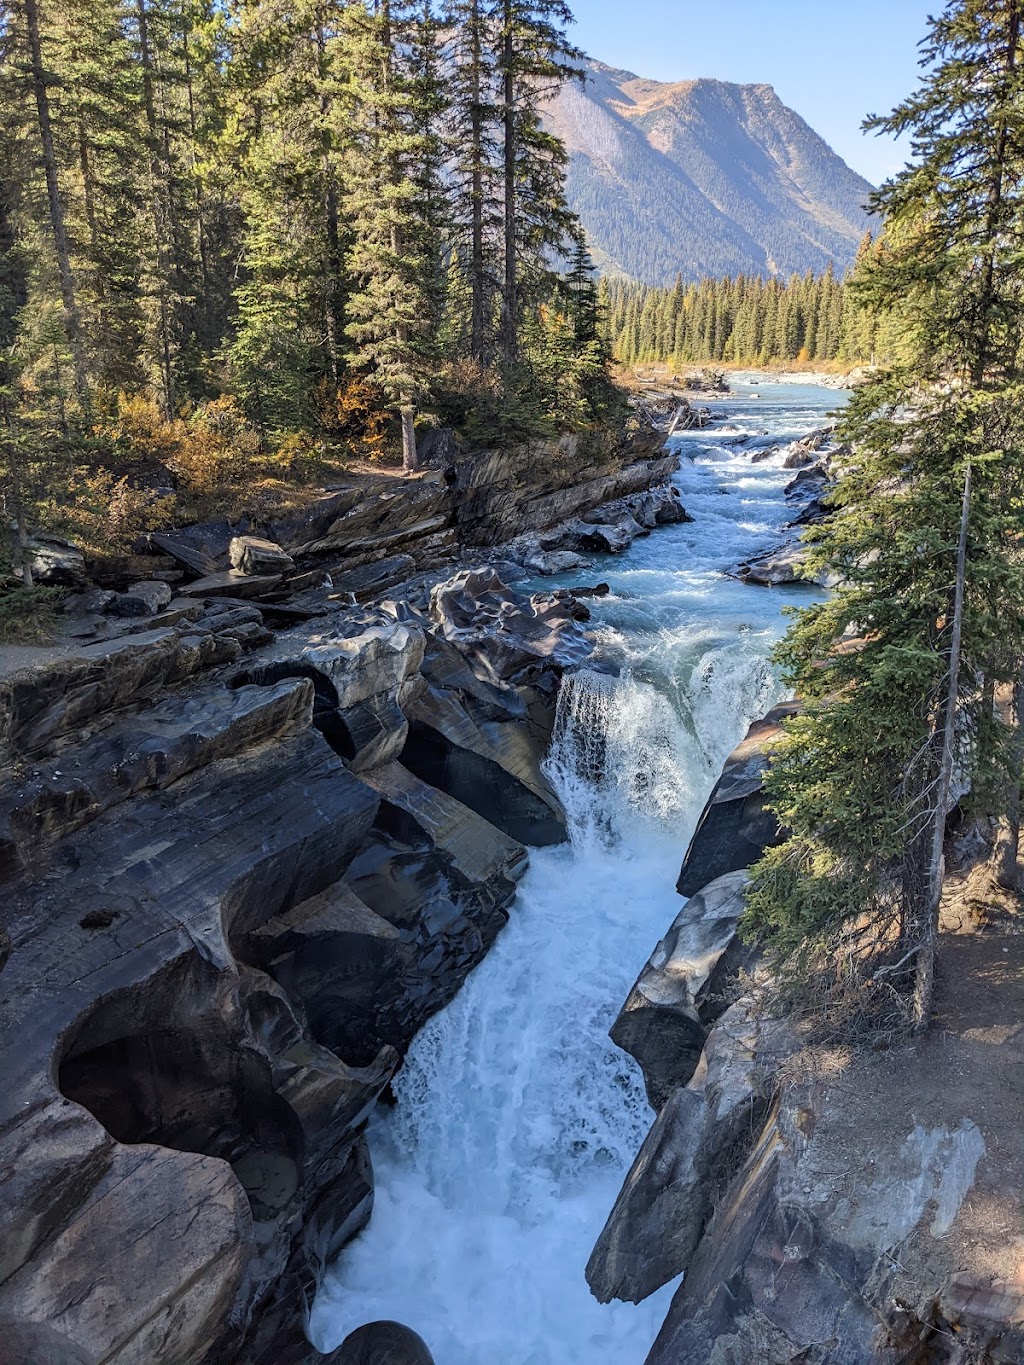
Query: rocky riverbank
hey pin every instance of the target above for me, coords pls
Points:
(258, 820)
(822, 1204)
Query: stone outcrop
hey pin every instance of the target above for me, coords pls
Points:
(823, 1204)
(735, 827)
(500, 495)
(665, 1017)
(691, 1153)
(787, 1270)
(234, 889)
(504, 637)
(360, 538)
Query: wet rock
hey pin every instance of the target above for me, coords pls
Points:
(782, 565)
(815, 511)
(799, 456)
(735, 828)
(665, 1017)
(254, 555)
(555, 561)
(382, 1343)
(810, 482)
(604, 538)
(502, 633)
(483, 755)
(695, 1145)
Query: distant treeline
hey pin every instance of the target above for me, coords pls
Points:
(744, 319)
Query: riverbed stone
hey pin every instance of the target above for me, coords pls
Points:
(664, 1020)
(735, 827)
(382, 1343)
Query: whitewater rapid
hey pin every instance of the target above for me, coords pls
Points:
(516, 1118)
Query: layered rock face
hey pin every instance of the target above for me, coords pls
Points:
(235, 888)
(377, 531)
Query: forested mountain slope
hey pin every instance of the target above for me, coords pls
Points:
(704, 178)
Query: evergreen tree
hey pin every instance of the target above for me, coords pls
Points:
(394, 198)
(533, 57)
(925, 536)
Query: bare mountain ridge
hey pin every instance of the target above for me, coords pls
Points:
(703, 177)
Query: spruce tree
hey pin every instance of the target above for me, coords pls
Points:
(533, 57)
(393, 199)
(925, 531)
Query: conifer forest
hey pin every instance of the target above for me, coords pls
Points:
(245, 236)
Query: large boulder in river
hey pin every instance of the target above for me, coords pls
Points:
(382, 1343)
(663, 1022)
(781, 566)
(735, 827)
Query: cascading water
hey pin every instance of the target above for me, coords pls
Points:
(516, 1117)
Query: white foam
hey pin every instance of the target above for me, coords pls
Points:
(516, 1117)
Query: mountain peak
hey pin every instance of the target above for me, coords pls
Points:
(703, 177)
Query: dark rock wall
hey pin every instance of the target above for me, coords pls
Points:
(229, 904)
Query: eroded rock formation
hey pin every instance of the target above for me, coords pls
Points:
(235, 889)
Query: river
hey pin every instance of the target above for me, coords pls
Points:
(517, 1118)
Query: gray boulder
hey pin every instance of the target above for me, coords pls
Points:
(547, 562)
(253, 555)
(141, 599)
(663, 1022)
(735, 828)
(781, 566)
(382, 1343)
(604, 537)
(56, 562)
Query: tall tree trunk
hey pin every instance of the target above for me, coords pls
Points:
(332, 283)
(163, 264)
(477, 266)
(72, 321)
(510, 293)
(925, 971)
(410, 458)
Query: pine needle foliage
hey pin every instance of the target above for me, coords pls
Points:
(898, 667)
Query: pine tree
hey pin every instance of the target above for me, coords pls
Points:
(925, 536)
(533, 57)
(393, 198)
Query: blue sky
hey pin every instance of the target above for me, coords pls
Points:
(833, 61)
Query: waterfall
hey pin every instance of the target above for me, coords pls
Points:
(516, 1117)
